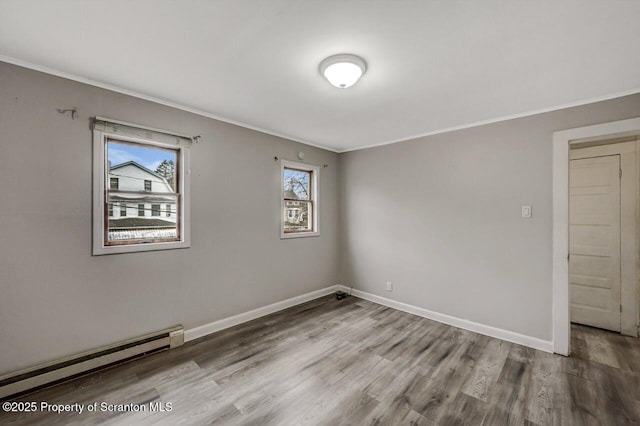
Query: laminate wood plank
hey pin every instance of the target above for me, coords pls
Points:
(497, 416)
(522, 353)
(579, 347)
(433, 396)
(435, 349)
(513, 391)
(358, 405)
(252, 392)
(606, 347)
(617, 388)
(394, 385)
(486, 371)
(583, 405)
(380, 380)
(391, 412)
(627, 354)
(545, 405)
(413, 418)
(299, 404)
(464, 410)
(404, 343)
(599, 350)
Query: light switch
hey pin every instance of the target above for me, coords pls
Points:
(526, 211)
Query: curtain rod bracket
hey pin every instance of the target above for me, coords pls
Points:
(73, 111)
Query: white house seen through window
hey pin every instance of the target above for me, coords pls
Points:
(137, 168)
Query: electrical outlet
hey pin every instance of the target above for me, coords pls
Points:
(389, 286)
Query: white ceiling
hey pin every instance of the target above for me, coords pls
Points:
(432, 65)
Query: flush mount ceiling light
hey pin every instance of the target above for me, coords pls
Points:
(343, 70)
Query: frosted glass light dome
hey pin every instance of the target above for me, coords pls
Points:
(344, 70)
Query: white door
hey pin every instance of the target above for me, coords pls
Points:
(594, 241)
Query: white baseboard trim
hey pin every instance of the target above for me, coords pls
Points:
(212, 327)
(498, 333)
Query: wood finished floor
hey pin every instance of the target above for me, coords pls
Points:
(354, 362)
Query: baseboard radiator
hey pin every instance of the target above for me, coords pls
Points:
(19, 382)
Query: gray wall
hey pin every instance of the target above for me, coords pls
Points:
(56, 299)
(439, 216)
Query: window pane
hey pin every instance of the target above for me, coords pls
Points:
(296, 184)
(136, 167)
(146, 225)
(297, 216)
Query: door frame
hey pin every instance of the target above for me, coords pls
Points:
(560, 233)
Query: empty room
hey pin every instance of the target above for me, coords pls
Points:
(279, 212)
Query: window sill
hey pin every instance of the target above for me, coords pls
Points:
(284, 236)
(135, 248)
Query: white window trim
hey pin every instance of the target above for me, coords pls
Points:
(315, 197)
(100, 135)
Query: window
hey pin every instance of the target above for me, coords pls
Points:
(299, 200)
(142, 167)
(168, 210)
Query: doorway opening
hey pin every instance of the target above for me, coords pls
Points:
(603, 218)
(584, 137)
